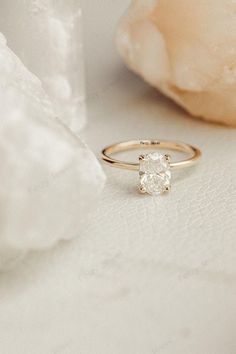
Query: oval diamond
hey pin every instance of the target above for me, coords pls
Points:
(155, 174)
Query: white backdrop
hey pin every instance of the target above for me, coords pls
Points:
(147, 275)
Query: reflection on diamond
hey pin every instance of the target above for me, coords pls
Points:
(155, 174)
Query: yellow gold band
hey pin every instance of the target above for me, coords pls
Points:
(195, 153)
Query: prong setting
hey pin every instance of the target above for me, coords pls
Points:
(141, 157)
(167, 157)
(142, 189)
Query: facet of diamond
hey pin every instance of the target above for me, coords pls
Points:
(155, 174)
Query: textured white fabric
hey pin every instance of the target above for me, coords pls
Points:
(148, 275)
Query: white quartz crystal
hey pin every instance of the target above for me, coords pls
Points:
(49, 180)
(47, 36)
(155, 174)
(186, 49)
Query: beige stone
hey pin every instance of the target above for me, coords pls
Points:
(187, 50)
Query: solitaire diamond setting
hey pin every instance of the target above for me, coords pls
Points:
(155, 173)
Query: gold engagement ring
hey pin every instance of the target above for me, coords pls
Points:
(154, 168)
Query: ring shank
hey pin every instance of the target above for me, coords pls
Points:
(195, 153)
